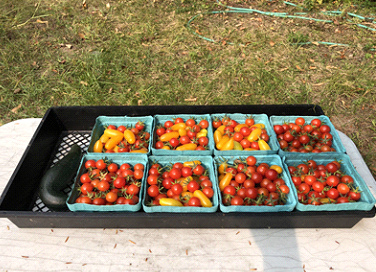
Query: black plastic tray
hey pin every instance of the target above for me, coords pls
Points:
(61, 127)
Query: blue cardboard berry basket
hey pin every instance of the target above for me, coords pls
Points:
(240, 118)
(271, 160)
(159, 120)
(279, 120)
(165, 161)
(103, 121)
(118, 159)
(367, 200)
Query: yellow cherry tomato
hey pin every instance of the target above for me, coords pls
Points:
(178, 126)
(217, 136)
(222, 142)
(225, 181)
(259, 125)
(326, 200)
(168, 136)
(182, 132)
(142, 150)
(202, 133)
(186, 195)
(229, 145)
(170, 202)
(104, 138)
(263, 145)
(205, 201)
(237, 146)
(112, 133)
(185, 147)
(129, 136)
(239, 127)
(276, 168)
(166, 147)
(112, 142)
(221, 176)
(191, 163)
(222, 167)
(255, 134)
(184, 182)
(98, 147)
(221, 129)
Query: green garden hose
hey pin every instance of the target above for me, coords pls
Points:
(297, 15)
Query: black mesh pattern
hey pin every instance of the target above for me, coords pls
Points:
(69, 139)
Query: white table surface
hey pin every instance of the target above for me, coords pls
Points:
(23, 249)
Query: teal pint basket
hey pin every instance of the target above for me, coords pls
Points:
(206, 161)
(103, 121)
(367, 200)
(240, 118)
(272, 159)
(119, 159)
(159, 120)
(337, 143)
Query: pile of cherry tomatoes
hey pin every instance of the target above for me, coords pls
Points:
(118, 139)
(300, 136)
(247, 183)
(231, 135)
(179, 184)
(181, 135)
(319, 184)
(106, 183)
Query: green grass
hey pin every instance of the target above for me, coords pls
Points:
(140, 53)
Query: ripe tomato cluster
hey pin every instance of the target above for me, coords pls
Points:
(106, 183)
(118, 139)
(323, 183)
(247, 183)
(180, 184)
(300, 136)
(231, 135)
(181, 135)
